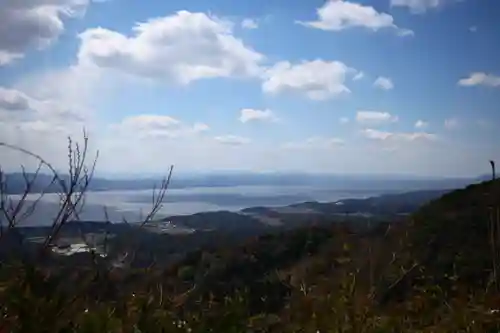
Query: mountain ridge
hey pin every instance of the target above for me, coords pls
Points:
(43, 183)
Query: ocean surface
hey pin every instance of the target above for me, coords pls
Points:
(131, 205)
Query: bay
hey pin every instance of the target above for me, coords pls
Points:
(131, 205)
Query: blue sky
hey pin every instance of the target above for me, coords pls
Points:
(382, 86)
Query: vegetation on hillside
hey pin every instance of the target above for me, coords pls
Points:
(438, 271)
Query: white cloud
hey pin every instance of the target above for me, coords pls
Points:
(318, 79)
(200, 127)
(38, 125)
(418, 6)
(344, 120)
(421, 124)
(337, 15)
(156, 126)
(315, 143)
(374, 134)
(150, 122)
(480, 79)
(358, 76)
(46, 113)
(473, 28)
(33, 24)
(41, 127)
(43, 137)
(16, 105)
(384, 83)
(249, 24)
(182, 47)
(13, 100)
(7, 57)
(452, 123)
(375, 117)
(73, 85)
(248, 115)
(405, 32)
(232, 140)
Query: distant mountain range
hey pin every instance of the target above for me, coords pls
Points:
(16, 183)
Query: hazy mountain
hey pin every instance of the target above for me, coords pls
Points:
(387, 183)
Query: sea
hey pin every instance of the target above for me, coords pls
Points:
(131, 206)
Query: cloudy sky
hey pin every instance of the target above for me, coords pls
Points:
(359, 86)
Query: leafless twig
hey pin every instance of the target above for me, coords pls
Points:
(71, 190)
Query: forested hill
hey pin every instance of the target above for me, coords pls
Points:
(433, 272)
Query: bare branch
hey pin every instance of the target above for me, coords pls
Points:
(71, 195)
(72, 190)
(157, 198)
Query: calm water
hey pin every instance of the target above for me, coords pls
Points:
(130, 204)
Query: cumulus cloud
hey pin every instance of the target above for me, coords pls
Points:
(421, 124)
(13, 100)
(315, 143)
(38, 125)
(405, 32)
(156, 126)
(33, 24)
(419, 6)
(337, 15)
(249, 115)
(384, 83)
(375, 118)
(43, 137)
(72, 85)
(54, 111)
(374, 134)
(249, 24)
(317, 79)
(16, 105)
(183, 47)
(232, 140)
(358, 76)
(15, 108)
(480, 79)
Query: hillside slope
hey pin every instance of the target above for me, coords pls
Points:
(443, 246)
(443, 249)
(450, 238)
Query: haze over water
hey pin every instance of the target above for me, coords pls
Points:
(129, 204)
